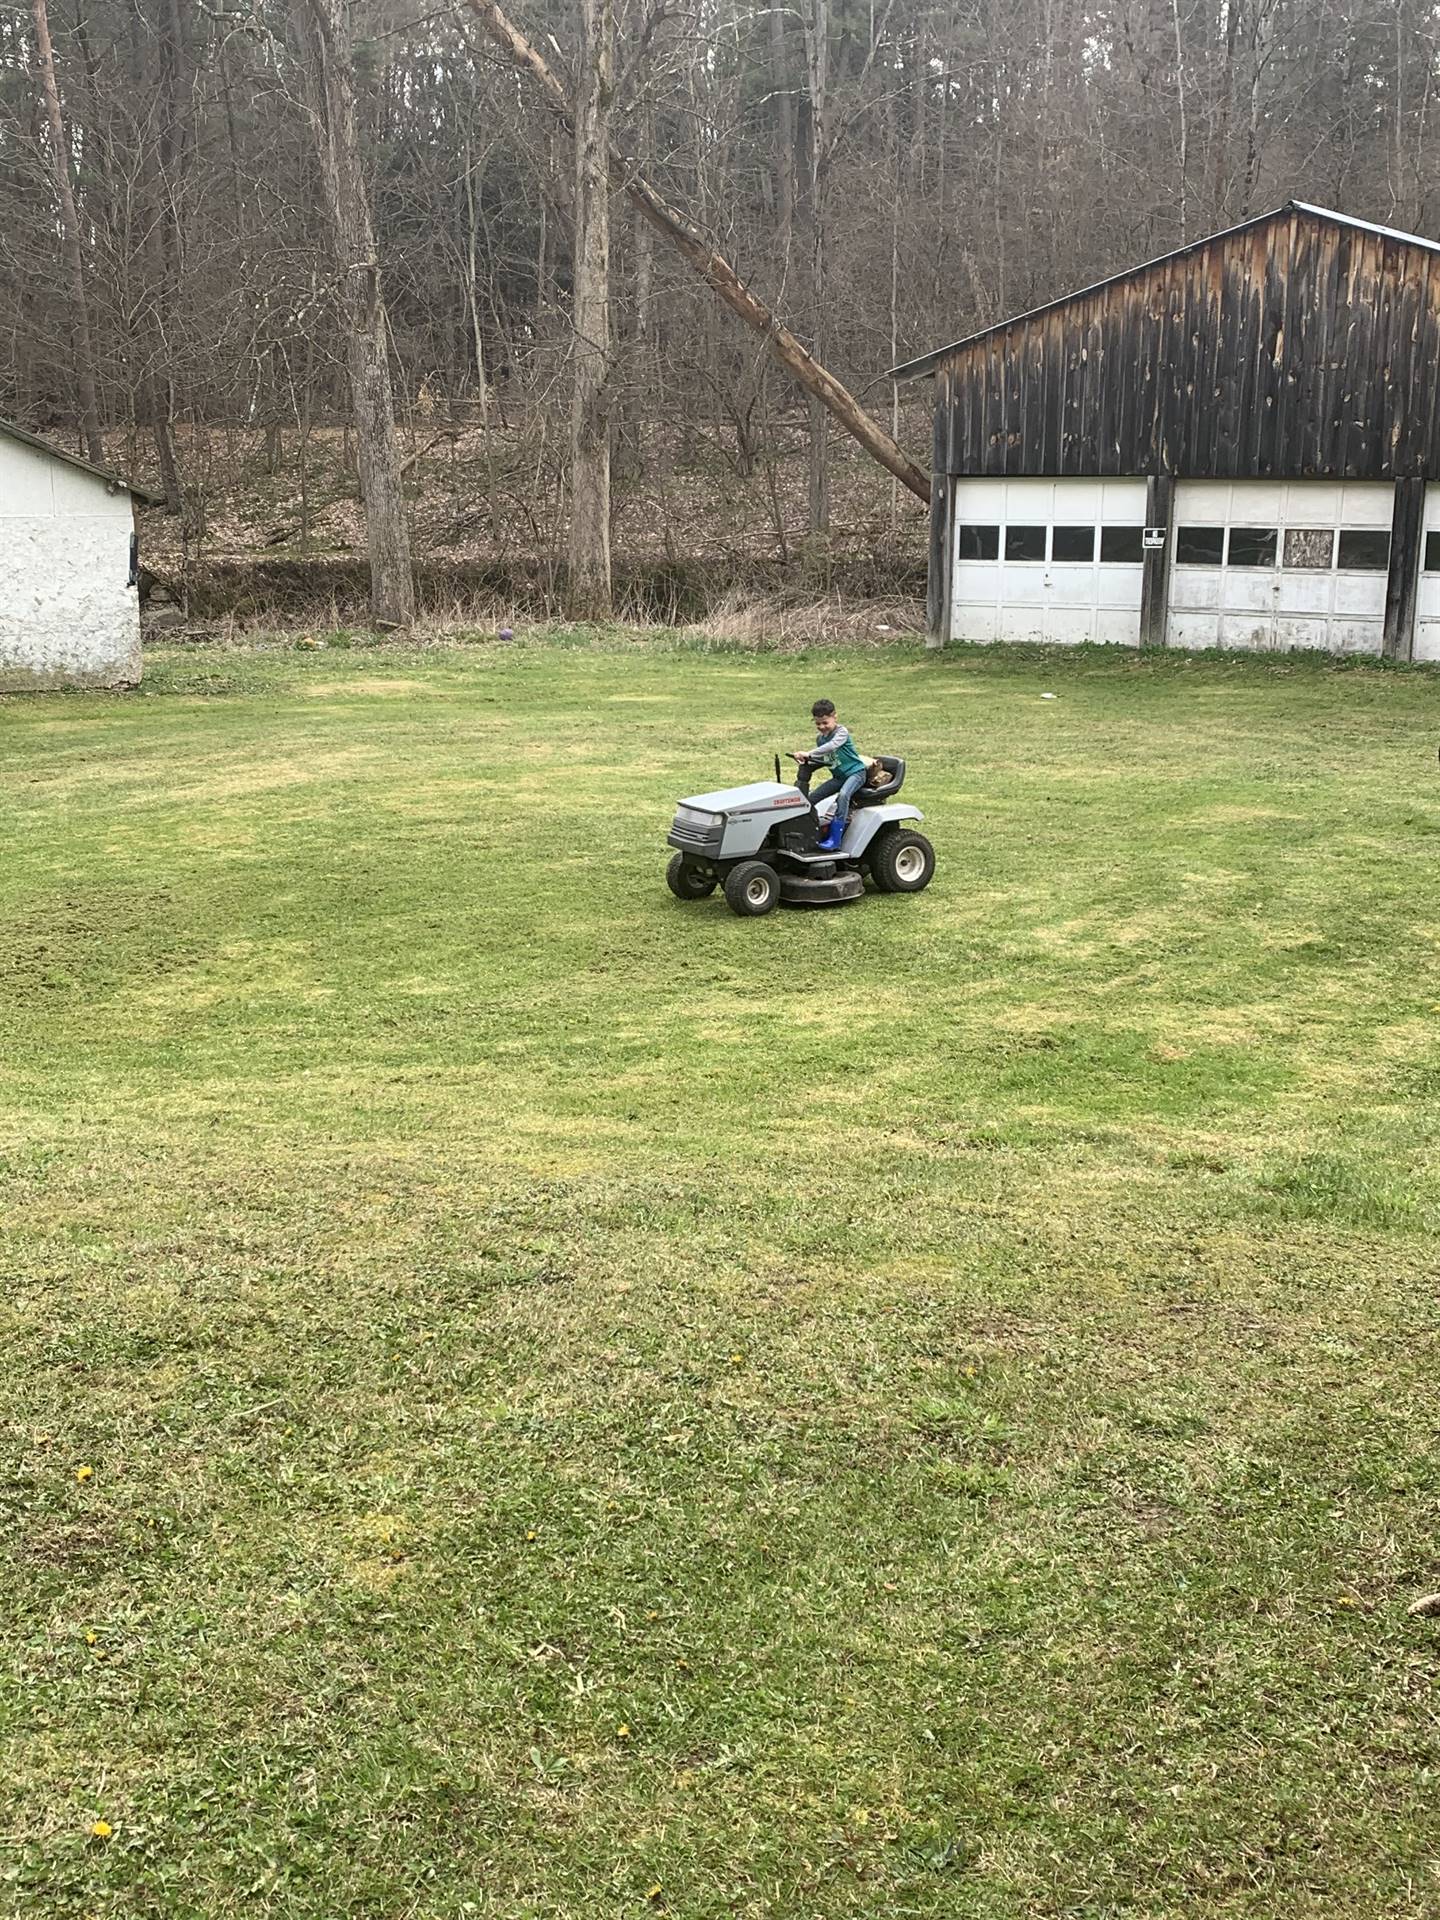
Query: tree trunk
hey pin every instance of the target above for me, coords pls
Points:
(542, 244)
(643, 370)
(1184, 119)
(784, 132)
(715, 270)
(644, 292)
(1220, 189)
(1259, 55)
(472, 283)
(158, 168)
(898, 163)
(157, 406)
(589, 556)
(817, 60)
(644, 237)
(322, 34)
(85, 385)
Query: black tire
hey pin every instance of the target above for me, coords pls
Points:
(872, 866)
(752, 888)
(687, 882)
(901, 861)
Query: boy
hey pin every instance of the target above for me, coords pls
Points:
(836, 750)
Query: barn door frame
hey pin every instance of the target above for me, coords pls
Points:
(1402, 586)
(938, 576)
(1155, 586)
(942, 514)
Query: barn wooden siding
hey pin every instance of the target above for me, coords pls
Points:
(1299, 347)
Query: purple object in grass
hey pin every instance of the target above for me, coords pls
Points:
(507, 633)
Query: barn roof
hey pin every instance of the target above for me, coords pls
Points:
(112, 480)
(927, 362)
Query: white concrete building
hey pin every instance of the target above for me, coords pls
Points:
(69, 608)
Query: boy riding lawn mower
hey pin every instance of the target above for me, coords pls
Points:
(761, 844)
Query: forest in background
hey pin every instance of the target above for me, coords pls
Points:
(191, 280)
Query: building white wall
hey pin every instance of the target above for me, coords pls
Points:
(68, 618)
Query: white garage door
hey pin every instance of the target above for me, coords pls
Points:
(1057, 560)
(1427, 595)
(1275, 565)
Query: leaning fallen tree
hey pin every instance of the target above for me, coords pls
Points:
(712, 267)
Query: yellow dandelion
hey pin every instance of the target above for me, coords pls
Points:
(84, 1473)
(101, 1829)
(622, 1732)
(91, 1636)
(530, 1534)
(653, 1893)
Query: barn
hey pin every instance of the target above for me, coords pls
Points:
(1225, 447)
(69, 609)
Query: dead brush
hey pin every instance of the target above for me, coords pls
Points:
(772, 624)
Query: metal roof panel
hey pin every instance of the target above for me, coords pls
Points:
(927, 362)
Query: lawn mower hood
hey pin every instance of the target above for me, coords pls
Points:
(733, 822)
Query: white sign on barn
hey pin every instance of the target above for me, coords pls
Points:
(69, 609)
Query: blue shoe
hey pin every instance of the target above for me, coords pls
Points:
(834, 834)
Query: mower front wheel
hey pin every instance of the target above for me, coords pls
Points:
(687, 882)
(752, 888)
(901, 861)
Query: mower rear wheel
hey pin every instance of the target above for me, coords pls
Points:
(902, 862)
(687, 882)
(752, 888)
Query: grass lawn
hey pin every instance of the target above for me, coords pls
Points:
(528, 1399)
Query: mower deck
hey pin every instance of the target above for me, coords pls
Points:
(802, 890)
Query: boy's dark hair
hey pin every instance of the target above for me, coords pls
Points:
(821, 708)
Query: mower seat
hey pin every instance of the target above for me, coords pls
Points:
(877, 796)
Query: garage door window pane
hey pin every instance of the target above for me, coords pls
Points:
(1309, 549)
(1025, 543)
(1199, 546)
(1122, 546)
(1364, 551)
(1252, 546)
(1432, 553)
(1072, 543)
(979, 543)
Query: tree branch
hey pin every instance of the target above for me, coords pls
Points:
(711, 266)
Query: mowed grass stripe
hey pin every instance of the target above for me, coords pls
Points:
(920, 1409)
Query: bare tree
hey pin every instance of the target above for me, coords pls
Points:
(589, 553)
(817, 68)
(322, 34)
(87, 397)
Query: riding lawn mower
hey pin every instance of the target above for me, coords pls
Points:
(760, 844)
